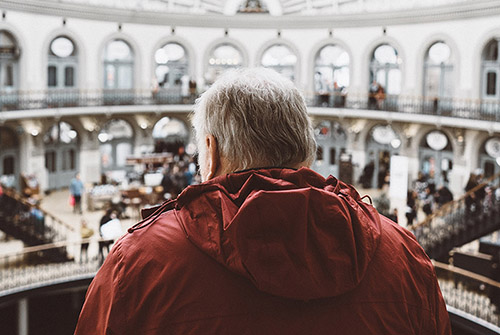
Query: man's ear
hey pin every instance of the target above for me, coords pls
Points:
(213, 156)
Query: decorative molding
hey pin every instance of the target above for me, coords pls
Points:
(467, 10)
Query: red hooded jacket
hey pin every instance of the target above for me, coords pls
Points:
(267, 251)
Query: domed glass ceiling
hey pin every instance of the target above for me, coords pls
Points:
(269, 7)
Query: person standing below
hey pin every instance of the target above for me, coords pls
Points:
(76, 189)
(264, 245)
(86, 232)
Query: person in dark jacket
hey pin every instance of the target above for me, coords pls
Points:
(263, 245)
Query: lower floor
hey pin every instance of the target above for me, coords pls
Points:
(45, 154)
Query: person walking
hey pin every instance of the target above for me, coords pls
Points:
(76, 190)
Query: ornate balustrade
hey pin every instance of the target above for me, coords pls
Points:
(28, 269)
(461, 221)
(472, 294)
(58, 98)
(28, 222)
(451, 107)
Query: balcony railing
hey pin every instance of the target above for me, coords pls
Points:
(29, 268)
(451, 107)
(59, 98)
(472, 294)
(461, 221)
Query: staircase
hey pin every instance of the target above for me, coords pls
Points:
(32, 225)
(458, 223)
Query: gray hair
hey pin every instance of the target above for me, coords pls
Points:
(259, 119)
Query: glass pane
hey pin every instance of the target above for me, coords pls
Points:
(333, 156)
(6, 40)
(166, 127)
(380, 78)
(489, 169)
(8, 45)
(278, 55)
(439, 53)
(110, 76)
(118, 50)
(62, 47)
(9, 76)
(332, 55)
(123, 150)
(319, 154)
(106, 155)
(52, 76)
(8, 165)
(491, 83)
(394, 85)
(171, 52)
(69, 73)
(341, 76)
(116, 129)
(491, 51)
(226, 55)
(65, 160)
(50, 161)
(447, 82)
(385, 54)
(72, 159)
(68, 163)
(125, 79)
(432, 81)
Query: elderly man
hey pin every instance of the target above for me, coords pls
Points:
(264, 245)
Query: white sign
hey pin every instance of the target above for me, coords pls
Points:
(398, 186)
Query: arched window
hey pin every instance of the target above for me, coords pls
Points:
(118, 65)
(62, 63)
(382, 143)
(172, 66)
(436, 156)
(222, 57)
(61, 154)
(9, 61)
(332, 141)
(280, 58)
(331, 65)
(490, 72)
(116, 143)
(489, 158)
(170, 134)
(438, 69)
(384, 69)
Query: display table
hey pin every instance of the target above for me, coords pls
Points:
(100, 195)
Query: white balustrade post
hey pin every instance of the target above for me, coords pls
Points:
(22, 317)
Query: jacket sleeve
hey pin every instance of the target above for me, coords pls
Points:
(102, 312)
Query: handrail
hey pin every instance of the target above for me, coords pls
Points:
(307, 93)
(447, 207)
(465, 273)
(53, 245)
(16, 196)
(479, 109)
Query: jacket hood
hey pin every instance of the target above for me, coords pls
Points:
(292, 233)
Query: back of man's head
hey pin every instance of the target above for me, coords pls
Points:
(259, 119)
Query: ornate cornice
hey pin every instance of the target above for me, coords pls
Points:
(467, 10)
